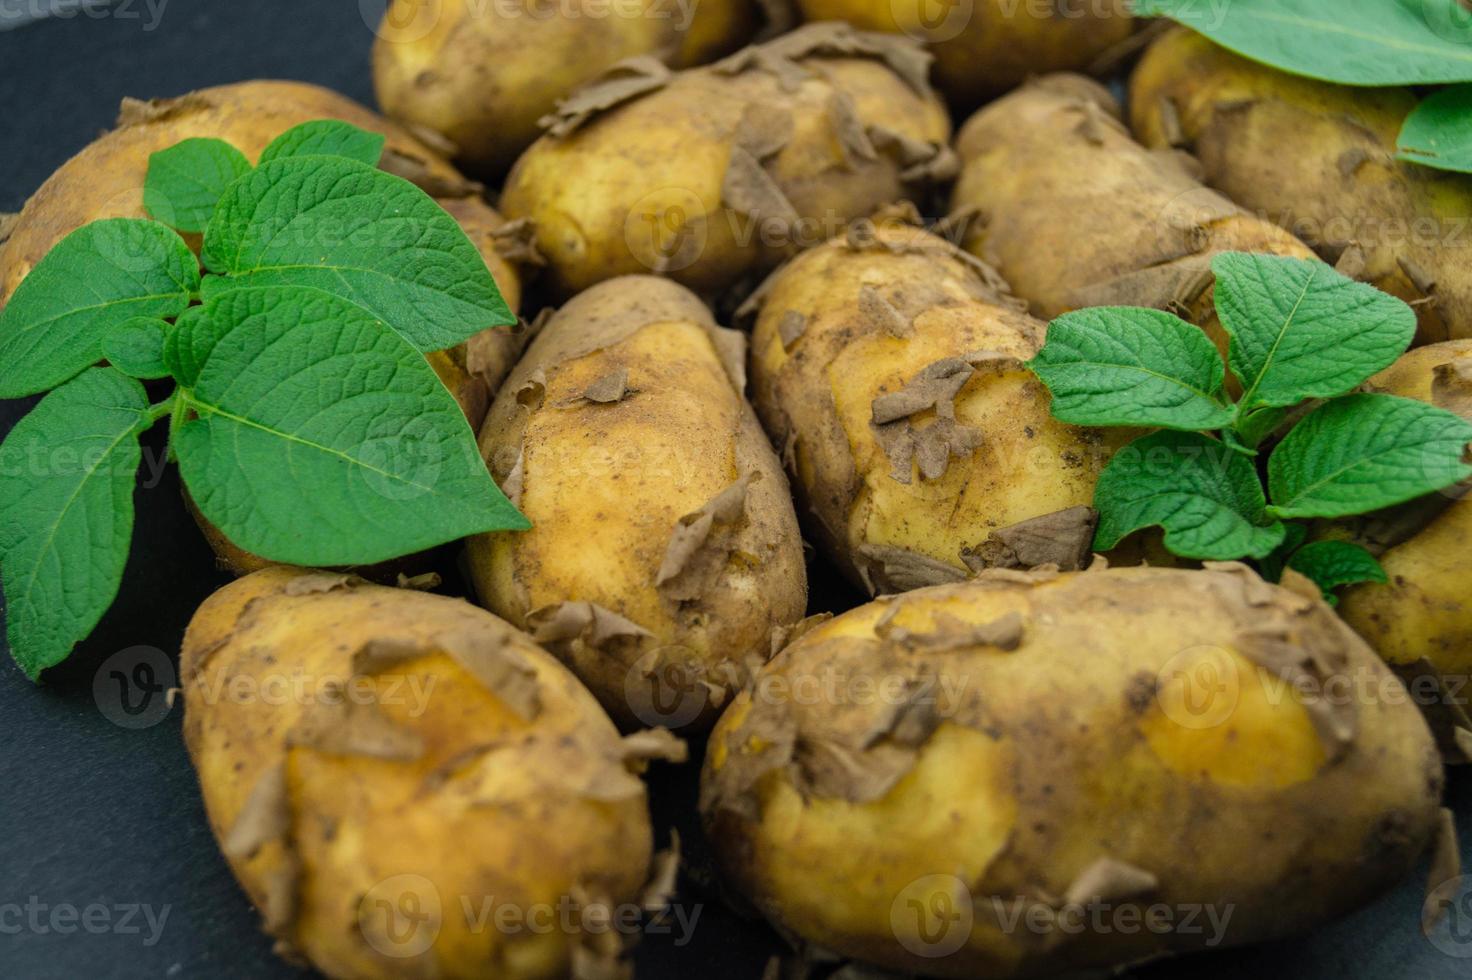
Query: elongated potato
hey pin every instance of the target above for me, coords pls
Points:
(716, 173)
(377, 763)
(1424, 613)
(985, 47)
(1403, 227)
(1012, 777)
(482, 74)
(664, 550)
(1075, 213)
(889, 364)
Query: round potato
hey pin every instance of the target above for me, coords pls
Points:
(484, 73)
(378, 763)
(1400, 226)
(1012, 777)
(664, 550)
(717, 173)
(1075, 213)
(889, 364)
(985, 47)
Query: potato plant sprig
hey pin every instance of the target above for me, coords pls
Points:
(306, 423)
(1300, 336)
(1357, 42)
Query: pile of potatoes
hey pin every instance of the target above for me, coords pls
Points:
(796, 288)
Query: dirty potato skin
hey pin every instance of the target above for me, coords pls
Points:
(463, 761)
(664, 547)
(847, 328)
(1399, 226)
(1075, 213)
(718, 173)
(1071, 756)
(1425, 547)
(483, 74)
(1000, 43)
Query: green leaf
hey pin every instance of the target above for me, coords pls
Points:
(188, 345)
(1363, 452)
(359, 233)
(136, 347)
(1438, 132)
(1352, 42)
(186, 180)
(1125, 366)
(1206, 497)
(1333, 564)
(1253, 427)
(326, 137)
(96, 278)
(66, 512)
(1300, 330)
(324, 438)
(1271, 566)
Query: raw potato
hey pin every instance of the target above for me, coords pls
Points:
(368, 755)
(105, 180)
(985, 47)
(1075, 213)
(664, 548)
(716, 173)
(889, 364)
(1049, 742)
(1425, 612)
(1402, 227)
(483, 73)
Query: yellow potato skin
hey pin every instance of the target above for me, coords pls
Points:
(605, 485)
(816, 394)
(1072, 211)
(1340, 185)
(1423, 612)
(483, 74)
(1092, 739)
(638, 189)
(998, 45)
(447, 818)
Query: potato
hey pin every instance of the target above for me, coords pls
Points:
(664, 549)
(1425, 612)
(716, 173)
(888, 363)
(1075, 213)
(905, 783)
(374, 760)
(983, 48)
(483, 73)
(1402, 227)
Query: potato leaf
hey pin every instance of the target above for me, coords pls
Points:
(187, 346)
(95, 279)
(326, 137)
(1125, 366)
(186, 180)
(1271, 566)
(1352, 42)
(370, 237)
(136, 347)
(1363, 452)
(1206, 497)
(324, 438)
(1334, 564)
(1438, 133)
(66, 512)
(1300, 330)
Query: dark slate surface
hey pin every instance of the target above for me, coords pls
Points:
(107, 868)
